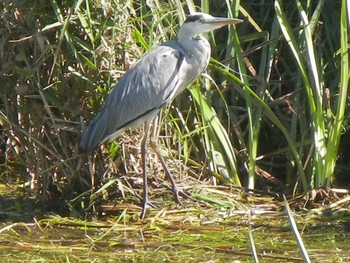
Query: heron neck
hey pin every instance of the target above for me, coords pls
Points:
(197, 54)
(194, 45)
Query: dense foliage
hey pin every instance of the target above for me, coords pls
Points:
(271, 112)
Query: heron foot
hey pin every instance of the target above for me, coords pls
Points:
(145, 205)
(177, 193)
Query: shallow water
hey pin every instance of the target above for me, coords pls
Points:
(184, 236)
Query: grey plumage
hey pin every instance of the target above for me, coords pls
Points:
(152, 83)
(128, 105)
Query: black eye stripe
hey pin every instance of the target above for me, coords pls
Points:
(193, 18)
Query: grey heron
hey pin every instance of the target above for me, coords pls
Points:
(152, 83)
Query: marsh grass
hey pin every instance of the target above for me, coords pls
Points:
(194, 233)
(326, 126)
(273, 100)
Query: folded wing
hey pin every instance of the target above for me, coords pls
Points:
(139, 94)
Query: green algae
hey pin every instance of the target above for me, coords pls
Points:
(186, 237)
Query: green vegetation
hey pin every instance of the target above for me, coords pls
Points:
(195, 233)
(60, 59)
(271, 112)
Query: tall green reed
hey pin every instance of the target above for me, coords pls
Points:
(325, 133)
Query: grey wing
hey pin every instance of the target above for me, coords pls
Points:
(138, 96)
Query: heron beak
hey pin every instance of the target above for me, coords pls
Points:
(220, 21)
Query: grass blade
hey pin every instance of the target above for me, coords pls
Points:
(295, 231)
(219, 138)
(252, 246)
(337, 128)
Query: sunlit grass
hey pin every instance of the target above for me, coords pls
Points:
(185, 235)
(272, 99)
(325, 135)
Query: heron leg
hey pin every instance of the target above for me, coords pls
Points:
(144, 170)
(174, 188)
(154, 144)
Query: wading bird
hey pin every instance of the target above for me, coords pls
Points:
(151, 84)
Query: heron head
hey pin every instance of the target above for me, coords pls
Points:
(198, 23)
